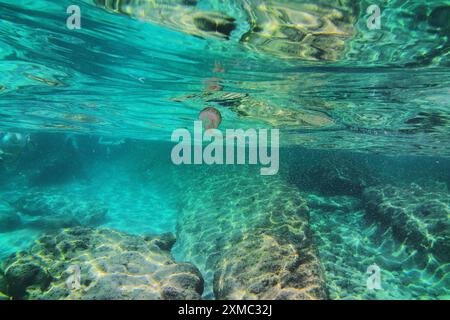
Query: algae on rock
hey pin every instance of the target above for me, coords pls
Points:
(249, 235)
(113, 266)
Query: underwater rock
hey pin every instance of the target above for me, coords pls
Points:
(52, 211)
(26, 272)
(9, 219)
(332, 204)
(332, 181)
(249, 235)
(334, 178)
(417, 216)
(57, 171)
(112, 265)
(3, 286)
(62, 166)
(52, 159)
(164, 241)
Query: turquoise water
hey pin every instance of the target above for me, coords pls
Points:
(86, 118)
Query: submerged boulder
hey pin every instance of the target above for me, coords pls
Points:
(9, 219)
(27, 273)
(3, 287)
(332, 177)
(418, 216)
(249, 235)
(52, 211)
(58, 171)
(266, 112)
(104, 264)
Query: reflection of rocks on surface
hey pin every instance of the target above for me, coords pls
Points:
(178, 15)
(307, 31)
(275, 115)
(52, 211)
(418, 217)
(249, 235)
(114, 265)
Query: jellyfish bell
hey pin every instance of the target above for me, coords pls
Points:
(210, 117)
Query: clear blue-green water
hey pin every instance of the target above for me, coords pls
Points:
(86, 118)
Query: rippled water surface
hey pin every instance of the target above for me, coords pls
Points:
(118, 75)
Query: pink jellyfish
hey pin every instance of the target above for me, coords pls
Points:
(211, 117)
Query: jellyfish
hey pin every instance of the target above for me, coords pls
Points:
(211, 117)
